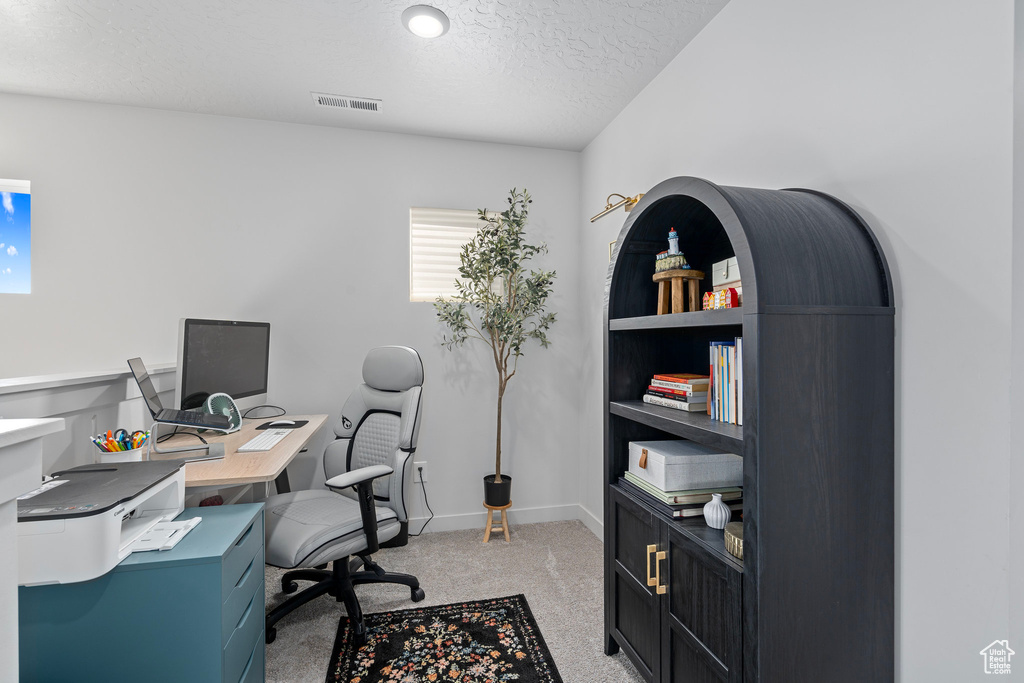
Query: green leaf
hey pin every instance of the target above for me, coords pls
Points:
(497, 296)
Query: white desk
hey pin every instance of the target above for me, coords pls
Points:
(246, 468)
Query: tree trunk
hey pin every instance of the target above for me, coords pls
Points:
(497, 445)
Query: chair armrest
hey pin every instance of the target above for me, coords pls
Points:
(396, 493)
(343, 481)
(362, 479)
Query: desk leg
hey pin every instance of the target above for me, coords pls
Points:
(281, 483)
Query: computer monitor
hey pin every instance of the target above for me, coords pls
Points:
(222, 356)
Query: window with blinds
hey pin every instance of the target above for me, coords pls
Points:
(435, 238)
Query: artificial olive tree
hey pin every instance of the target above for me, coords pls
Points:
(497, 300)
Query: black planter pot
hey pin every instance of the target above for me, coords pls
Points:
(497, 495)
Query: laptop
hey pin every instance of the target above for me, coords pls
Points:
(182, 418)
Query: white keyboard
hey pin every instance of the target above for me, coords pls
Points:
(264, 442)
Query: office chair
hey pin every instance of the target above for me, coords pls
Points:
(363, 506)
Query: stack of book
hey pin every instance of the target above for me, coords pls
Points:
(726, 395)
(680, 504)
(682, 391)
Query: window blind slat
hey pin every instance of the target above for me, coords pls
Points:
(438, 255)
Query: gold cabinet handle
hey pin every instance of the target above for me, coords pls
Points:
(657, 572)
(651, 581)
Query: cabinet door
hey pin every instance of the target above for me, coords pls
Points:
(634, 607)
(702, 616)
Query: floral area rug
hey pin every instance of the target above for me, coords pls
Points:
(488, 641)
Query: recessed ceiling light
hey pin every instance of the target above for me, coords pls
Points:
(425, 21)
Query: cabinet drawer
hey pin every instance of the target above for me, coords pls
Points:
(241, 595)
(635, 623)
(240, 644)
(237, 558)
(634, 613)
(635, 530)
(254, 671)
(688, 664)
(705, 612)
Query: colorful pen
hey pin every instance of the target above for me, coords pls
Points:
(119, 440)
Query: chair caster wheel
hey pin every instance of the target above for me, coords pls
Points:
(418, 594)
(289, 587)
(271, 635)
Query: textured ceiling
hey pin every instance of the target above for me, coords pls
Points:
(548, 73)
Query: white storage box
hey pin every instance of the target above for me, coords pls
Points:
(725, 273)
(681, 465)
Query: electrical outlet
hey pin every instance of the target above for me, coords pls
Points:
(419, 472)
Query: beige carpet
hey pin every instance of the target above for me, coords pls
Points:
(557, 565)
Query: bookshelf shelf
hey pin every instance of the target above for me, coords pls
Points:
(694, 528)
(817, 443)
(725, 316)
(693, 426)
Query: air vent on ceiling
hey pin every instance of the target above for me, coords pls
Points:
(344, 102)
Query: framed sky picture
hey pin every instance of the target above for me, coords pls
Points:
(15, 237)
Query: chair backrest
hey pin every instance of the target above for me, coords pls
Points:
(379, 423)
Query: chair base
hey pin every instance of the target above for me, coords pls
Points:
(339, 582)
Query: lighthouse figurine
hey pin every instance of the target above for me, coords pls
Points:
(672, 259)
(673, 242)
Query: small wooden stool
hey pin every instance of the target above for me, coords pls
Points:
(677, 277)
(490, 521)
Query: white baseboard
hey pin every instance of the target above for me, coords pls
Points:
(592, 522)
(476, 520)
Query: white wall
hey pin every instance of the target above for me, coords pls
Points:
(903, 110)
(141, 217)
(1016, 479)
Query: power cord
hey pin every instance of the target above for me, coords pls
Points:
(425, 502)
(175, 432)
(245, 415)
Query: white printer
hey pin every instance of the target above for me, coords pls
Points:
(82, 522)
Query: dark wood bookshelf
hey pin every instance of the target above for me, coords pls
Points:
(711, 539)
(693, 426)
(724, 316)
(817, 443)
(695, 528)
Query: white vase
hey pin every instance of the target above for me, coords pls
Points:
(717, 513)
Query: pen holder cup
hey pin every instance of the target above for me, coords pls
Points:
(134, 455)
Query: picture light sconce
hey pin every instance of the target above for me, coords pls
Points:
(630, 202)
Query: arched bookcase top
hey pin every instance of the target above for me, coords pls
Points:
(794, 247)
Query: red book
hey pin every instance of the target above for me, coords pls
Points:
(678, 386)
(684, 378)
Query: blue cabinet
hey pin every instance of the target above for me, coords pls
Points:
(193, 613)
